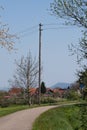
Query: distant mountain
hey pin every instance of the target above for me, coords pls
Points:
(61, 85)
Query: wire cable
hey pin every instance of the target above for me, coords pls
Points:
(34, 29)
(56, 28)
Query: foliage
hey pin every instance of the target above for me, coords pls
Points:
(12, 109)
(82, 75)
(21, 101)
(43, 88)
(72, 95)
(17, 100)
(4, 103)
(73, 92)
(2, 94)
(61, 118)
(48, 100)
(83, 117)
(53, 119)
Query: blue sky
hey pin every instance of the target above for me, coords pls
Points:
(22, 15)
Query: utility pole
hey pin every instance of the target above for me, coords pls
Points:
(40, 29)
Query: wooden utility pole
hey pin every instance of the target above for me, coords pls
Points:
(40, 29)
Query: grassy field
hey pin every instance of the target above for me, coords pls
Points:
(11, 109)
(14, 108)
(61, 118)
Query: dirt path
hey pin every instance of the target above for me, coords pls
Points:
(22, 120)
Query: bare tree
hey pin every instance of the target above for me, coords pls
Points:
(26, 74)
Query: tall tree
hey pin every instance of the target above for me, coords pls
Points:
(75, 13)
(82, 75)
(26, 74)
(43, 88)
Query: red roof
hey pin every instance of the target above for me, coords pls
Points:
(15, 90)
(32, 91)
(59, 90)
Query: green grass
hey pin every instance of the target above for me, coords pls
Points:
(14, 108)
(61, 118)
(11, 109)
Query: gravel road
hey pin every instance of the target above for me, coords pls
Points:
(22, 120)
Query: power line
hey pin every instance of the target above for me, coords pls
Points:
(53, 24)
(56, 28)
(34, 29)
(36, 26)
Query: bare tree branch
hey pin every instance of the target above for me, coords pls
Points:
(26, 74)
(7, 40)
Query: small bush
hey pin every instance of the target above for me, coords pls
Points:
(4, 103)
(48, 100)
(72, 95)
(21, 101)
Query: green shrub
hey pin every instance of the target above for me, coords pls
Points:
(4, 103)
(72, 95)
(21, 101)
(48, 100)
(18, 101)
